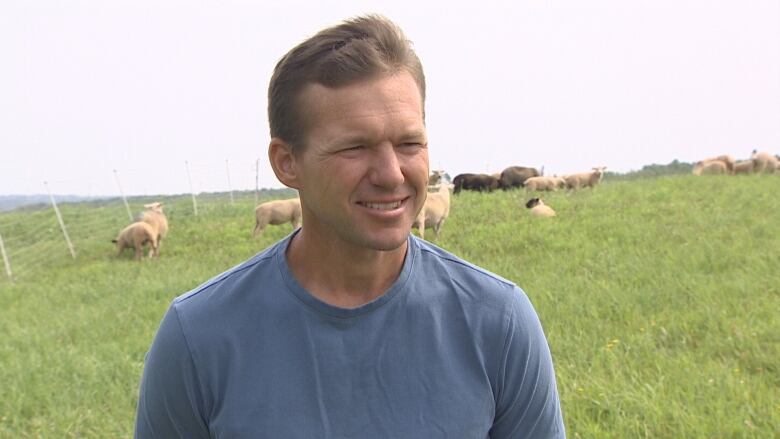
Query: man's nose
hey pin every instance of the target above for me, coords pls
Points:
(385, 167)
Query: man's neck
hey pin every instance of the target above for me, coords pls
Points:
(342, 275)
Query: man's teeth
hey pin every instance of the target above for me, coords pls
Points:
(383, 206)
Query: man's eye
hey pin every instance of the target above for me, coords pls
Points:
(353, 148)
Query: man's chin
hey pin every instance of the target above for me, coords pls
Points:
(388, 243)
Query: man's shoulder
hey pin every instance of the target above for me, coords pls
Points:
(440, 258)
(439, 266)
(232, 281)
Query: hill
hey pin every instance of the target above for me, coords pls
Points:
(659, 298)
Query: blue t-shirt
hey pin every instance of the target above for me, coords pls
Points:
(449, 351)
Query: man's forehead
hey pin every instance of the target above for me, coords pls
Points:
(395, 100)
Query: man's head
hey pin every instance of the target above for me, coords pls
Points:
(356, 50)
(348, 132)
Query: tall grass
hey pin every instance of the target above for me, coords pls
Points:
(659, 297)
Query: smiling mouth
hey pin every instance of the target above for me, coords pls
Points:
(383, 206)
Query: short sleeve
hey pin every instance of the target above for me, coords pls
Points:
(170, 402)
(527, 403)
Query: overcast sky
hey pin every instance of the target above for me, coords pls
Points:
(140, 86)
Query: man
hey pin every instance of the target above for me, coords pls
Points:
(350, 327)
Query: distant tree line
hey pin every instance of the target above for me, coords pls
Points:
(675, 167)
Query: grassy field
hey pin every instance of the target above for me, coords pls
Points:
(660, 299)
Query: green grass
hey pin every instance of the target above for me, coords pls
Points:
(659, 297)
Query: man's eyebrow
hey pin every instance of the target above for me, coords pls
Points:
(414, 135)
(354, 140)
(362, 139)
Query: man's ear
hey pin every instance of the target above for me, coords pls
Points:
(280, 154)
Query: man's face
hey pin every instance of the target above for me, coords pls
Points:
(363, 174)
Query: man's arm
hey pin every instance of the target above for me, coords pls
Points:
(170, 400)
(527, 404)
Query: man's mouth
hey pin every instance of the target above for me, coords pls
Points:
(383, 206)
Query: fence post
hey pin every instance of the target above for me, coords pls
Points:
(6, 261)
(122, 193)
(62, 224)
(192, 191)
(230, 188)
(257, 179)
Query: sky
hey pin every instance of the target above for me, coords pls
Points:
(168, 96)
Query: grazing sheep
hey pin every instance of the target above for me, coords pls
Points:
(743, 167)
(154, 216)
(434, 178)
(434, 211)
(764, 162)
(544, 184)
(135, 236)
(475, 182)
(585, 179)
(515, 176)
(539, 209)
(277, 212)
(437, 177)
(726, 159)
(713, 167)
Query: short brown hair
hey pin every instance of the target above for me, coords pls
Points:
(357, 49)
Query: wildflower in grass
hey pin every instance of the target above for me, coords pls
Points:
(612, 343)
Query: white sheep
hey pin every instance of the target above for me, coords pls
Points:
(277, 212)
(585, 179)
(544, 184)
(726, 159)
(434, 211)
(135, 236)
(764, 162)
(743, 167)
(710, 167)
(155, 217)
(435, 178)
(539, 209)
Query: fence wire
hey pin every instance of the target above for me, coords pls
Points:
(33, 240)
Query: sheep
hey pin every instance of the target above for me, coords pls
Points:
(544, 184)
(726, 159)
(155, 217)
(434, 211)
(585, 179)
(763, 161)
(435, 178)
(709, 167)
(515, 176)
(475, 182)
(277, 212)
(539, 209)
(136, 235)
(743, 167)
